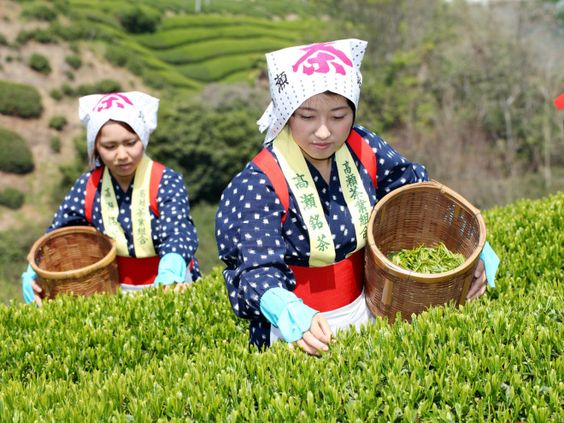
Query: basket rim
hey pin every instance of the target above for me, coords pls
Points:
(105, 261)
(398, 271)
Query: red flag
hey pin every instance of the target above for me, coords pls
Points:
(559, 101)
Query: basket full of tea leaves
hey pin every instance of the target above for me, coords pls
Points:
(408, 267)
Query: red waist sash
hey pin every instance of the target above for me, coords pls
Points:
(138, 271)
(330, 287)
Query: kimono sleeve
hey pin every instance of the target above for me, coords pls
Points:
(175, 228)
(249, 234)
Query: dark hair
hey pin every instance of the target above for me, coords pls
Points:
(349, 102)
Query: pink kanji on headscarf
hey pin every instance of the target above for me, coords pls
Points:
(559, 101)
(109, 100)
(322, 54)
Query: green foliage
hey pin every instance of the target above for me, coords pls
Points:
(56, 94)
(205, 50)
(74, 61)
(44, 36)
(203, 215)
(138, 20)
(17, 156)
(57, 122)
(71, 171)
(19, 100)
(3, 40)
(40, 63)
(209, 37)
(158, 356)
(11, 198)
(220, 68)
(39, 11)
(209, 138)
(199, 32)
(101, 87)
(14, 246)
(55, 144)
(425, 259)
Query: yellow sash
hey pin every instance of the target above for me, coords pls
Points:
(140, 214)
(294, 167)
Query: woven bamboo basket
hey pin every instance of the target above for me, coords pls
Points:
(421, 213)
(76, 260)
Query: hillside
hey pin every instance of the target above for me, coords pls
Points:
(14, 67)
(179, 55)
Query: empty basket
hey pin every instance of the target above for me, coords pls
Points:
(76, 260)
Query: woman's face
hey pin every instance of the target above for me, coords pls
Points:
(321, 125)
(120, 150)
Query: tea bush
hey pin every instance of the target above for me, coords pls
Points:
(19, 159)
(161, 356)
(74, 61)
(44, 36)
(55, 144)
(20, 100)
(57, 122)
(39, 11)
(11, 198)
(40, 63)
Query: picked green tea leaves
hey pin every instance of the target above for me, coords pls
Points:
(424, 259)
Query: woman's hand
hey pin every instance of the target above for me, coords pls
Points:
(37, 290)
(316, 340)
(478, 285)
(177, 287)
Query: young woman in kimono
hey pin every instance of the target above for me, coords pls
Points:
(291, 226)
(141, 204)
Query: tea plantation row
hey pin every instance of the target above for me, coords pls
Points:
(161, 356)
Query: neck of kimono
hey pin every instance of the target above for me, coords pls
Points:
(323, 166)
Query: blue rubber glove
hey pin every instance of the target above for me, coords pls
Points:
(491, 263)
(172, 268)
(27, 278)
(287, 312)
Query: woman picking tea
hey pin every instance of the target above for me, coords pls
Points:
(291, 226)
(141, 204)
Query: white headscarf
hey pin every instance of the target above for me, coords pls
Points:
(137, 109)
(298, 73)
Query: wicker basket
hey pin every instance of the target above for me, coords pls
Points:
(76, 260)
(422, 213)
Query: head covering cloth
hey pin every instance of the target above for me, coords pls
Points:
(137, 109)
(298, 73)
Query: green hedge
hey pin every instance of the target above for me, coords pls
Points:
(40, 63)
(16, 156)
(19, 100)
(180, 36)
(58, 122)
(11, 198)
(221, 67)
(206, 50)
(74, 61)
(39, 11)
(158, 356)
